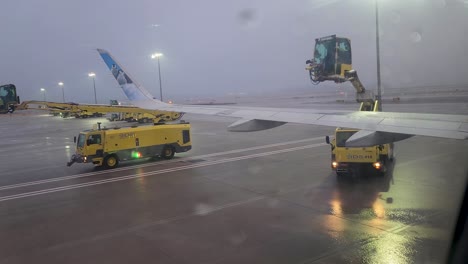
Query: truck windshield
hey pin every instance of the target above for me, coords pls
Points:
(324, 54)
(344, 51)
(81, 141)
(342, 136)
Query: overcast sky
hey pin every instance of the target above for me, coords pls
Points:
(217, 47)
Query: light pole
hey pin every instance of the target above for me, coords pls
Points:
(43, 91)
(92, 74)
(63, 92)
(377, 47)
(154, 56)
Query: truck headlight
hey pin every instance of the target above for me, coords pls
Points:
(334, 164)
(377, 165)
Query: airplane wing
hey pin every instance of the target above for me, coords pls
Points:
(375, 127)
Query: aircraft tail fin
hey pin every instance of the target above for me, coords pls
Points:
(132, 89)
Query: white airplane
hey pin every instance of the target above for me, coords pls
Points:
(375, 127)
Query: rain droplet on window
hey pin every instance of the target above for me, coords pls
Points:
(396, 17)
(441, 3)
(248, 17)
(415, 37)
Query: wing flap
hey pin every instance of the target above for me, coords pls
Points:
(251, 125)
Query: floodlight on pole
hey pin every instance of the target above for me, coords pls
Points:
(93, 75)
(154, 56)
(377, 48)
(43, 91)
(63, 92)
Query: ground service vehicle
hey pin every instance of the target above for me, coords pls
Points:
(127, 113)
(141, 117)
(115, 117)
(86, 114)
(8, 98)
(333, 62)
(109, 146)
(132, 117)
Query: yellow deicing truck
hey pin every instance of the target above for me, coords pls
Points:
(332, 61)
(109, 146)
(357, 160)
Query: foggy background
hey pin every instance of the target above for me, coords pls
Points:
(215, 48)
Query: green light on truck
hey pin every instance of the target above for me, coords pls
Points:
(136, 154)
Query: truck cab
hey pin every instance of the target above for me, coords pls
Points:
(357, 160)
(331, 60)
(8, 98)
(88, 146)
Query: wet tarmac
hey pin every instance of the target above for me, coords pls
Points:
(261, 197)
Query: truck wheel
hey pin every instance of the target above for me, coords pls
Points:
(111, 161)
(167, 152)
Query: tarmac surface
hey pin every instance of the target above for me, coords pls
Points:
(259, 197)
